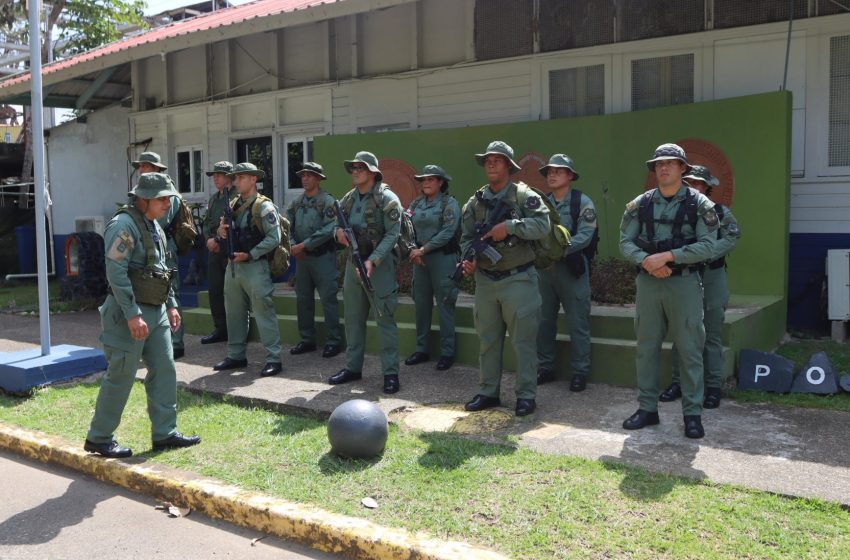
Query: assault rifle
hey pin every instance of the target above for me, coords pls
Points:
(478, 246)
(356, 258)
(231, 232)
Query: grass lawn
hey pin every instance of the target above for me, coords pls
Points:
(22, 295)
(799, 351)
(524, 504)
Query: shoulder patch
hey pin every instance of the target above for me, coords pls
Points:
(330, 212)
(271, 217)
(394, 214)
(733, 229)
(710, 217)
(532, 202)
(121, 246)
(632, 207)
(589, 215)
(448, 214)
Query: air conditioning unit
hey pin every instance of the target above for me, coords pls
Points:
(89, 223)
(838, 284)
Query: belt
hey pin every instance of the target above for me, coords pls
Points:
(322, 250)
(678, 271)
(719, 263)
(502, 274)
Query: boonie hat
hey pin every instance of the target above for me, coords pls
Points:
(312, 167)
(221, 167)
(432, 171)
(497, 147)
(151, 158)
(153, 185)
(701, 173)
(668, 151)
(563, 161)
(366, 158)
(247, 169)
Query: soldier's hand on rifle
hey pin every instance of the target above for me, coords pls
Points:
(241, 257)
(222, 229)
(499, 232)
(173, 318)
(212, 245)
(138, 328)
(469, 267)
(341, 238)
(368, 265)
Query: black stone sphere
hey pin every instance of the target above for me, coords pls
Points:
(357, 429)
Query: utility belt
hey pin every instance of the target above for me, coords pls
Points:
(322, 249)
(150, 286)
(680, 269)
(719, 263)
(502, 274)
(664, 245)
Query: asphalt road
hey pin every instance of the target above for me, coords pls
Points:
(48, 512)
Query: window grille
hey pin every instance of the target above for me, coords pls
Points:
(734, 13)
(662, 81)
(503, 28)
(826, 8)
(570, 24)
(643, 19)
(577, 92)
(839, 101)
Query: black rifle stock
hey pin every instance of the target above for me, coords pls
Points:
(231, 232)
(480, 247)
(356, 258)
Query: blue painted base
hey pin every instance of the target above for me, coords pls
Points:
(21, 371)
(806, 274)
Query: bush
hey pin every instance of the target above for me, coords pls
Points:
(612, 280)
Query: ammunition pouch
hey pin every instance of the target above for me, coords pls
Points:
(367, 239)
(150, 286)
(575, 263)
(246, 239)
(653, 247)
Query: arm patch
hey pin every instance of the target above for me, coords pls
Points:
(532, 202)
(589, 215)
(710, 218)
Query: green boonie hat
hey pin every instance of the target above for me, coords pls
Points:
(221, 167)
(367, 158)
(668, 151)
(497, 147)
(151, 158)
(560, 160)
(701, 173)
(247, 169)
(153, 185)
(312, 167)
(432, 171)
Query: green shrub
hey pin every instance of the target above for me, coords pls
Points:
(612, 280)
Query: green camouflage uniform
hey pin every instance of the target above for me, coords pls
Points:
(217, 262)
(313, 221)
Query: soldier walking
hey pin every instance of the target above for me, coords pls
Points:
(217, 247)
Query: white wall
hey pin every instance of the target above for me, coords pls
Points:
(87, 167)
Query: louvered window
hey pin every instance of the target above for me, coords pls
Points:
(839, 101)
(503, 28)
(577, 92)
(662, 81)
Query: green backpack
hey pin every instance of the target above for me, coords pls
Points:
(279, 257)
(553, 246)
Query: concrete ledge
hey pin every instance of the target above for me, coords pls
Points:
(356, 538)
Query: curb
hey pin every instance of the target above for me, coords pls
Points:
(319, 529)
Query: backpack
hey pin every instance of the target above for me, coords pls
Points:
(552, 247)
(687, 210)
(279, 257)
(575, 209)
(453, 246)
(182, 228)
(407, 234)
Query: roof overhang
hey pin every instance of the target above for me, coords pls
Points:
(114, 58)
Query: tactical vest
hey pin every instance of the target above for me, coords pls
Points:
(150, 284)
(575, 261)
(371, 237)
(647, 220)
(298, 204)
(516, 252)
(453, 246)
(721, 262)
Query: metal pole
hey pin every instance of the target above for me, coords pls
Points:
(37, 142)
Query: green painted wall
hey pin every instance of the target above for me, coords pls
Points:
(754, 132)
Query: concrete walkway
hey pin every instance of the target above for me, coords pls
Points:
(791, 451)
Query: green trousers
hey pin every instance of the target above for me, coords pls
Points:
(250, 290)
(716, 293)
(216, 267)
(123, 355)
(672, 304)
(429, 282)
(356, 306)
(176, 336)
(559, 288)
(511, 304)
(317, 274)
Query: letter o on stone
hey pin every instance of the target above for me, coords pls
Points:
(821, 375)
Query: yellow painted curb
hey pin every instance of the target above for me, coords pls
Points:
(356, 538)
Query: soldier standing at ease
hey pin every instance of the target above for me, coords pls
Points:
(668, 232)
(436, 219)
(312, 219)
(150, 162)
(374, 213)
(507, 296)
(567, 283)
(248, 281)
(136, 317)
(716, 296)
(217, 247)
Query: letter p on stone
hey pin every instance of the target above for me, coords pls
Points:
(761, 371)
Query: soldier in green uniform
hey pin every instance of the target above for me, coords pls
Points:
(668, 232)
(567, 283)
(218, 250)
(374, 213)
(248, 281)
(507, 296)
(150, 162)
(436, 219)
(716, 296)
(137, 317)
(312, 219)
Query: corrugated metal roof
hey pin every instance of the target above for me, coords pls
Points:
(218, 20)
